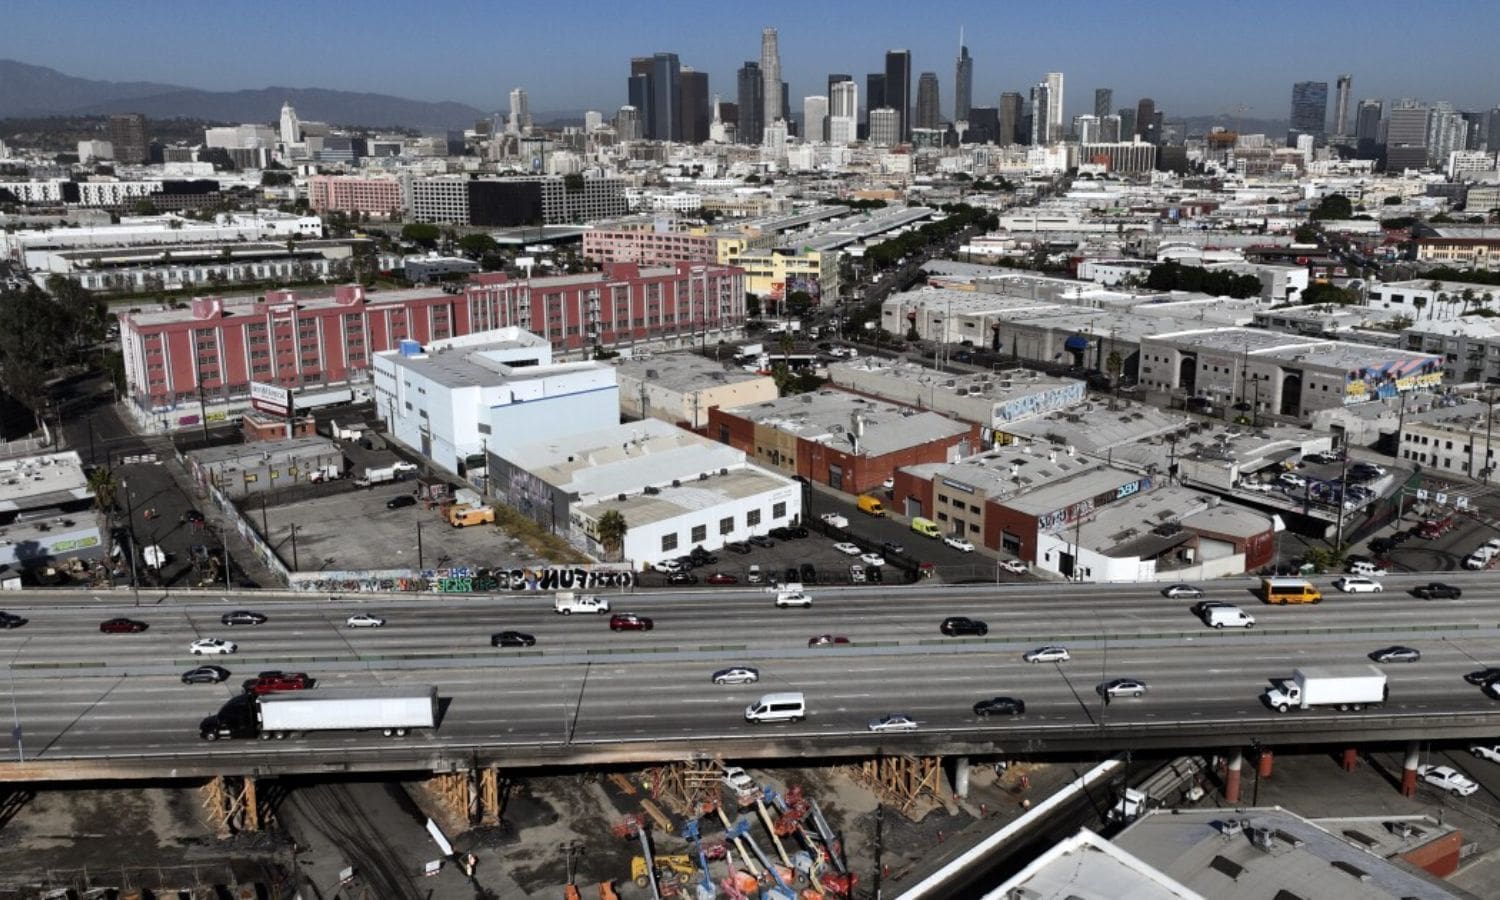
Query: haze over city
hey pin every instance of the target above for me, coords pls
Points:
(1193, 58)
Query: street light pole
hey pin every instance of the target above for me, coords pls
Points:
(135, 581)
(419, 546)
(295, 566)
(15, 713)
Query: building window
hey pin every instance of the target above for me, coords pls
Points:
(778, 511)
(752, 518)
(726, 525)
(669, 542)
(700, 533)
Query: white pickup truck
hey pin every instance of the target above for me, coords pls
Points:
(566, 603)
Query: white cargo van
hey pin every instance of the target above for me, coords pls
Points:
(787, 707)
(1227, 617)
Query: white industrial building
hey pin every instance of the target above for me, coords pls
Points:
(676, 490)
(455, 400)
(682, 388)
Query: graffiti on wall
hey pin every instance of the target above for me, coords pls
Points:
(1040, 402)
(463, 580)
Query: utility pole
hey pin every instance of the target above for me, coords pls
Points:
(419, 545)
(1338, 544)
(295, 567)
(135, 581)
(1489, 429)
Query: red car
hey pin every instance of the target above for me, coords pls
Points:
(823, 639)
(273, 682)
(122, 625)
(722, 578)
(629, 622)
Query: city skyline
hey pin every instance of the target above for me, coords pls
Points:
(579, 67)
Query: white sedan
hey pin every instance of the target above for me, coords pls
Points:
(1447, 778)
(737, 779)
(1357, 584)
(364, 620)
(847, 548)
(893, 722)
(958, 543)
(212, 646)
(872, 559)
(1490, 752)
(1048, 654)
(1014, 566)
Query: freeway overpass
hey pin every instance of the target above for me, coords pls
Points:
(91, 705)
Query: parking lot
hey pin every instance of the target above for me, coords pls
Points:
(352, 529)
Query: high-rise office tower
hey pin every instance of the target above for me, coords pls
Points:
(1009, 129)
(814, 118)
(1478, 130)
(898, 88)
(963, 81)
(843, 112)
(1109, 129)
(885, 127)
(592, 120)
(1309, 111)
(520, 113)
(1341, 106)
(984, 126)
(752, 103)
(639, 94)
(1367, 121)
(833, 79)
(1041, 115)
(786, 103)
(291, 129)
(693, 109)
(1493, 140)
(929, 109)
(1145, 120)
(770, 71)
(1086, 129)
(1055, 119)
(628, 124)
(1406, 133)
(1104, 101)
(655, 87)
(1446, 132)
(127, 133)
(1127, 123)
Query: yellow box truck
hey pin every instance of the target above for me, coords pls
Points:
(871, 505)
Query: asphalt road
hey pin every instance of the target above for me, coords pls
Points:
(81, 694)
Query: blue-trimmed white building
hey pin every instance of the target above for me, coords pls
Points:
(454, 400)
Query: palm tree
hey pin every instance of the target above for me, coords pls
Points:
(1114, 365)
(612, 530)
(1419, 302)
(104, 486)
(1442, 301)
(1468, 297)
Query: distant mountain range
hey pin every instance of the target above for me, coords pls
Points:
(29, 91)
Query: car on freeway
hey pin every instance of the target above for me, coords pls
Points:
(364, 620)
(1051, 653)
(400, 500)
(205, 675)
(11, 620)
(955, 626)
(872, 559)
(1437, 590)
(681, 578)
(242, 617)
(275, 681)
(1182, 591)
(893, 722)
(630, 622)
(1357, 584)
(786, 599)
(1014, 566)
(1447, 778)
(1203, 606)
(737, 779)
(958, 543)
(895, 548)
(1122, 687)
(722, 578)
(1396, 653)
(1000, 706)
(1490, 752)
(741, 547)
(122, 625)
(823, 640)
(212, 646)
(762, 541)
(1483, 676)
(847, 548)
(512, 639)
(737, 675)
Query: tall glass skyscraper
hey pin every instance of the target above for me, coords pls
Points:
(1309, 111)
(898, 89)
(963, 82)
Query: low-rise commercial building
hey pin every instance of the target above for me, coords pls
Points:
(1458, 439)
(842, 440)
(682, 388)
(375, 196)
(47, 512)
(243, 470)
(992, 400)
(1458, 245)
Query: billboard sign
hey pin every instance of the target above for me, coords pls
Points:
(269, 398)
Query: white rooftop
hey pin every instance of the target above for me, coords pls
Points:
(34, 482)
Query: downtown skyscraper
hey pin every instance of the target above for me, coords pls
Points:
(1054, 81)
(751, 101)
(898, 90)
(1341, 106)
(929, 104)
(963, 81)
(1104, 101)
(770, 71)
(1309, 111)
(655, 87)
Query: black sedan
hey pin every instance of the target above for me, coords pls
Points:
(761, 540)
(1437, 590)
(11, 620)
(682, 578)
(1483, 676)
(512, 639)
(205, 675)
(962, 625)
(1000, 706)
(242, 617)
(122, 625)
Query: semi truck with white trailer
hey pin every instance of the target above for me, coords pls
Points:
(393, 711)
(1333, 687)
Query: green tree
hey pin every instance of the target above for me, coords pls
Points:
(1114, 364)
(1306, 234)
(799, 302)
(275, 179)
(476, 246)
(422, 234)
(104, 486)
(86, 311)
(1333, 206)
(752, 305)
(33, 344)
(143, 207)
(612, 531)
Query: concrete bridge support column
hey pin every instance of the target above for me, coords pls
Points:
(1266, 763)
(1232, 776)
(961, 777)
(1409, 769)
(1350, 760)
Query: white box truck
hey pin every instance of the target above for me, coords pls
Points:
(1334, 687)
(393, 711)
(382, 474)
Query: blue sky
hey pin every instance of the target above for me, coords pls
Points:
(1193, 58)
